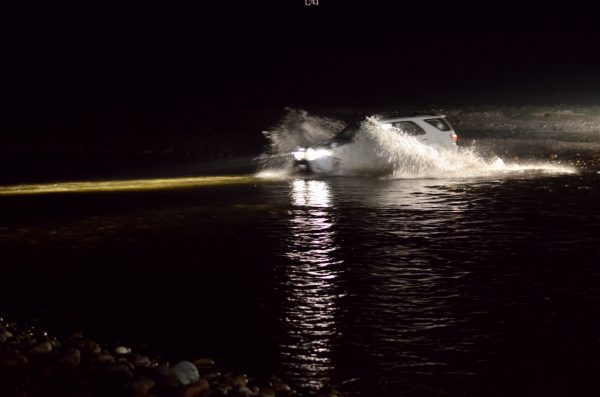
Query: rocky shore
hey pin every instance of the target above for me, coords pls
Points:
(35, 364)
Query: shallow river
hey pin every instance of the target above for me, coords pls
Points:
(420, 287)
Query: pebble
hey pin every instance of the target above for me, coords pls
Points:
(281, 387)
(76, 341)
(119, 372)
(186, 372)
(140, 386)
(162, 371)
(78, 359)
(224, 389)
(122, 350)
(239, 381)
(12, 359)
(244, 390)
(204, 363)
(196, 389)
(42, 348)
(5, 334)
(70, 357)
(212, 375)
(165, 380)
(142, 361)
(267, 392)
(92, 347)
(28, 344)
(123, 360)
(105, 358)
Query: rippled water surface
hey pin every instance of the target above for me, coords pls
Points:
(419, 287)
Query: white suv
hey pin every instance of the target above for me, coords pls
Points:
(430, 129)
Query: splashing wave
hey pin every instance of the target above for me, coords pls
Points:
(386, 153)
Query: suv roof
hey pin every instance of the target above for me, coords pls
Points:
(394, 116)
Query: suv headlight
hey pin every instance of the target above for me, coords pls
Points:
(299, 154)
(313, 154)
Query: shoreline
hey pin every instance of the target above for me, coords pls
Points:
(34, 363)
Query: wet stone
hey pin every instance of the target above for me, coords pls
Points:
(84, 368)
(245, 391)
(224, 389)
(76, 342)
(5, 334)
(28, 344)
(124, 360)
(267, 392)
(186, 372)
(140, 386)
(238, 381)
(70, 357)
(196, 389)
(281, 387)
(122, 350)
(105, 358)
(142, 361)
(204, 363)
(119, 372)
(161, 371)
(91, 346)
(167, 385)
(41, 348)
(12, 359)
(164, 379)
(212, 375)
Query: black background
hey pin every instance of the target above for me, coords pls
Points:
(76, 74)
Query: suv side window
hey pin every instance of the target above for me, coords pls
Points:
(408, 127)
(439, 123)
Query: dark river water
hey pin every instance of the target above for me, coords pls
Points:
(483, 286)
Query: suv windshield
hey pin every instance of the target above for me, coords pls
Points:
(439, 123)
(347, 134)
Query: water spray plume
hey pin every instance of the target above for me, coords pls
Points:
(381, 152)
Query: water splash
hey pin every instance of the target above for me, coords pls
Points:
(386, 153)
(396, 155)
(296, 129)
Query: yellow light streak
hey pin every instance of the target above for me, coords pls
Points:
(126, 185)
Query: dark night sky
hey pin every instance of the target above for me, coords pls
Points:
(63, 62)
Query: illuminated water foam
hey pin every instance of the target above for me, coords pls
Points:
(126, 185)
(387, 153)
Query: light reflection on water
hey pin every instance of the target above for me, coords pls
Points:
(405, 287)
(398, 283)
(312, 293)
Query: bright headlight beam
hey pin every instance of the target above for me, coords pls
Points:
(299, 155)
(127, 185)
(313, 154)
